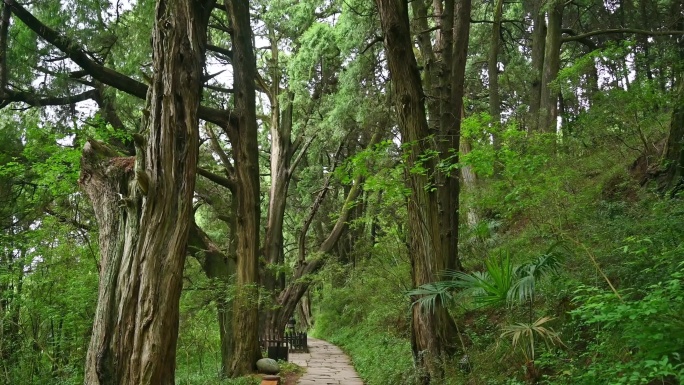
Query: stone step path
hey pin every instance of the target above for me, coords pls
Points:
(325, 364)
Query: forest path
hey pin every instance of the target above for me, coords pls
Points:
(325, 364)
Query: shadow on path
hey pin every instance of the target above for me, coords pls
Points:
(325, 364)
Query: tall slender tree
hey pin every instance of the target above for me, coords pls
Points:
(433, 202)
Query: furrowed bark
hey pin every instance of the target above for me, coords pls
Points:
(144, 231)
(245, 152)
(433, 203)
(548, 108)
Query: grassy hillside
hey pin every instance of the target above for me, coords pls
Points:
(610, 312)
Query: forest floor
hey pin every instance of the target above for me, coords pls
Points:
(325, 363)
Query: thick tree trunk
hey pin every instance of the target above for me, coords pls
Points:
(281, 155)
(452, 132)
(143, 206)
(548, 108)
(538, 48)
(432, 209)
(246, 157)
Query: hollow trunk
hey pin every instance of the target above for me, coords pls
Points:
(143, 207)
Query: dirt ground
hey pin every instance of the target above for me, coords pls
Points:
(291, 378)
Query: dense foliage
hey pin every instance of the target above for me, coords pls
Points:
(569, 267)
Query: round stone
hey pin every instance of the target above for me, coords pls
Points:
(268, 366)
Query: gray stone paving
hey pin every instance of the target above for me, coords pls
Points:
(325, 364)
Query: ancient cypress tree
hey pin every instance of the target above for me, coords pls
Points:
(143, 206)
(143, 196)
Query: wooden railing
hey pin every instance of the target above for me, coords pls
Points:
(278, 348)
(296, 342)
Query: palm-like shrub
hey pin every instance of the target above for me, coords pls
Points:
(525, 337)
(501, 283)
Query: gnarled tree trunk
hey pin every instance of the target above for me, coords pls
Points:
(143, 206)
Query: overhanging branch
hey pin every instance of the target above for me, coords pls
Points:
(220, 180)
(121, 82)
(578, 37)
(40, 101)
(223, 51)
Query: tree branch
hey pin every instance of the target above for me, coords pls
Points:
(63, 219)
(216, 147)
(108, 110)
(220, 89)
(38, 101)
(354, 192)
(492, 22)
(377, 39)
(223, 51)
(108, 76)
(316, 205)
(586, 41)
(214, 262)
(300, 155)
(576, 37)
(220, 180)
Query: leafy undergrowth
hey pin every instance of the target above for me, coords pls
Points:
(290, 372)
(610, 313)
